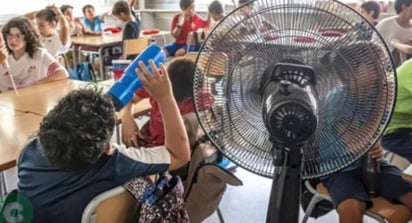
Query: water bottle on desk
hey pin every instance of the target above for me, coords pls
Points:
(123, 89)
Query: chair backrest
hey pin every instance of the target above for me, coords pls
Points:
(399, 57)
(191, 55)
(115, 205)
(194, 39)
(206, 181)
(216, 63)
(134, 46)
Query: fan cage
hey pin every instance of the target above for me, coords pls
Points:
(355, 99)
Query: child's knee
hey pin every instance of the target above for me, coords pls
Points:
(166, 51)
(180, 52)
(351, 206)
(407, 200)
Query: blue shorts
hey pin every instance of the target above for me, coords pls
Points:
(172, 48)
(348, 184)
(399, 142)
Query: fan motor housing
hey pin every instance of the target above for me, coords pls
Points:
(289, 107)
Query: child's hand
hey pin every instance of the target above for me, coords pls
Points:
(56, 10)
(158, 83)
(4, 54)
(130, 132)
(104, 15)
(181, 20)
(376, 152)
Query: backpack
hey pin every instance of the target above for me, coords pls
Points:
(84, 72)
(159, 202)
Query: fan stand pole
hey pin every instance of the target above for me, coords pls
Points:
(285, 194)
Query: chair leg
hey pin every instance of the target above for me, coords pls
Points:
(3, 189)
(220, 216)
(315, 199)
(376, 217)
(118, 134)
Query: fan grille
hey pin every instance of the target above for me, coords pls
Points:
(355, 99)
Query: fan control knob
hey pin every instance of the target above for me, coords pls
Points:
(284, 85)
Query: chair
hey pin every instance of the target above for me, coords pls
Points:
(62, 58)
(215, 65)
(382, 210)
(134, 46)
(115, 205)
(399, 57)
(205, 181)
(194, 39)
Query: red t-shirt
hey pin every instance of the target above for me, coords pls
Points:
(192, 25)
(153, 130)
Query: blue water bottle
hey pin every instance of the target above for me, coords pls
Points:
(123, 89)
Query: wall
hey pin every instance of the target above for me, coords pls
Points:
(19, 7)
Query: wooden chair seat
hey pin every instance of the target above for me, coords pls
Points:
(135, 46)
(393, 213)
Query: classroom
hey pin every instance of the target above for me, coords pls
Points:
(206, 111)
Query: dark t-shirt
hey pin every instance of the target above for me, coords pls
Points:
(61, 196)
(132, 28)
(131, 31)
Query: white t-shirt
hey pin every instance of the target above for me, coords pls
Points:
(27, 71)
(54, 45)
(75, 29)
(390, 29)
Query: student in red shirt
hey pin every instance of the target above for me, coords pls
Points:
(181, 77)
(182, 24)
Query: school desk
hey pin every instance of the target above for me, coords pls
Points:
(97, 44)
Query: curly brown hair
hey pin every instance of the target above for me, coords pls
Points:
(26, 27)
(75, 133)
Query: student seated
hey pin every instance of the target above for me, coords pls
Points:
(94, 24)
(350, 197)
(371, 11)
(181, 76)
(76, 26)
(397, 137)
(396, 30)
(71, 161)
(249, 26)
(29, 63)
(182, 24)
(346, 187)
(123, 11)
(55, 41)
(216, 12)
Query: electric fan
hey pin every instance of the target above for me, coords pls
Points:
(295, 97)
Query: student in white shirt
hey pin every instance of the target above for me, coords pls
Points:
(28, 62)
(55, 41)
(397, 30)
